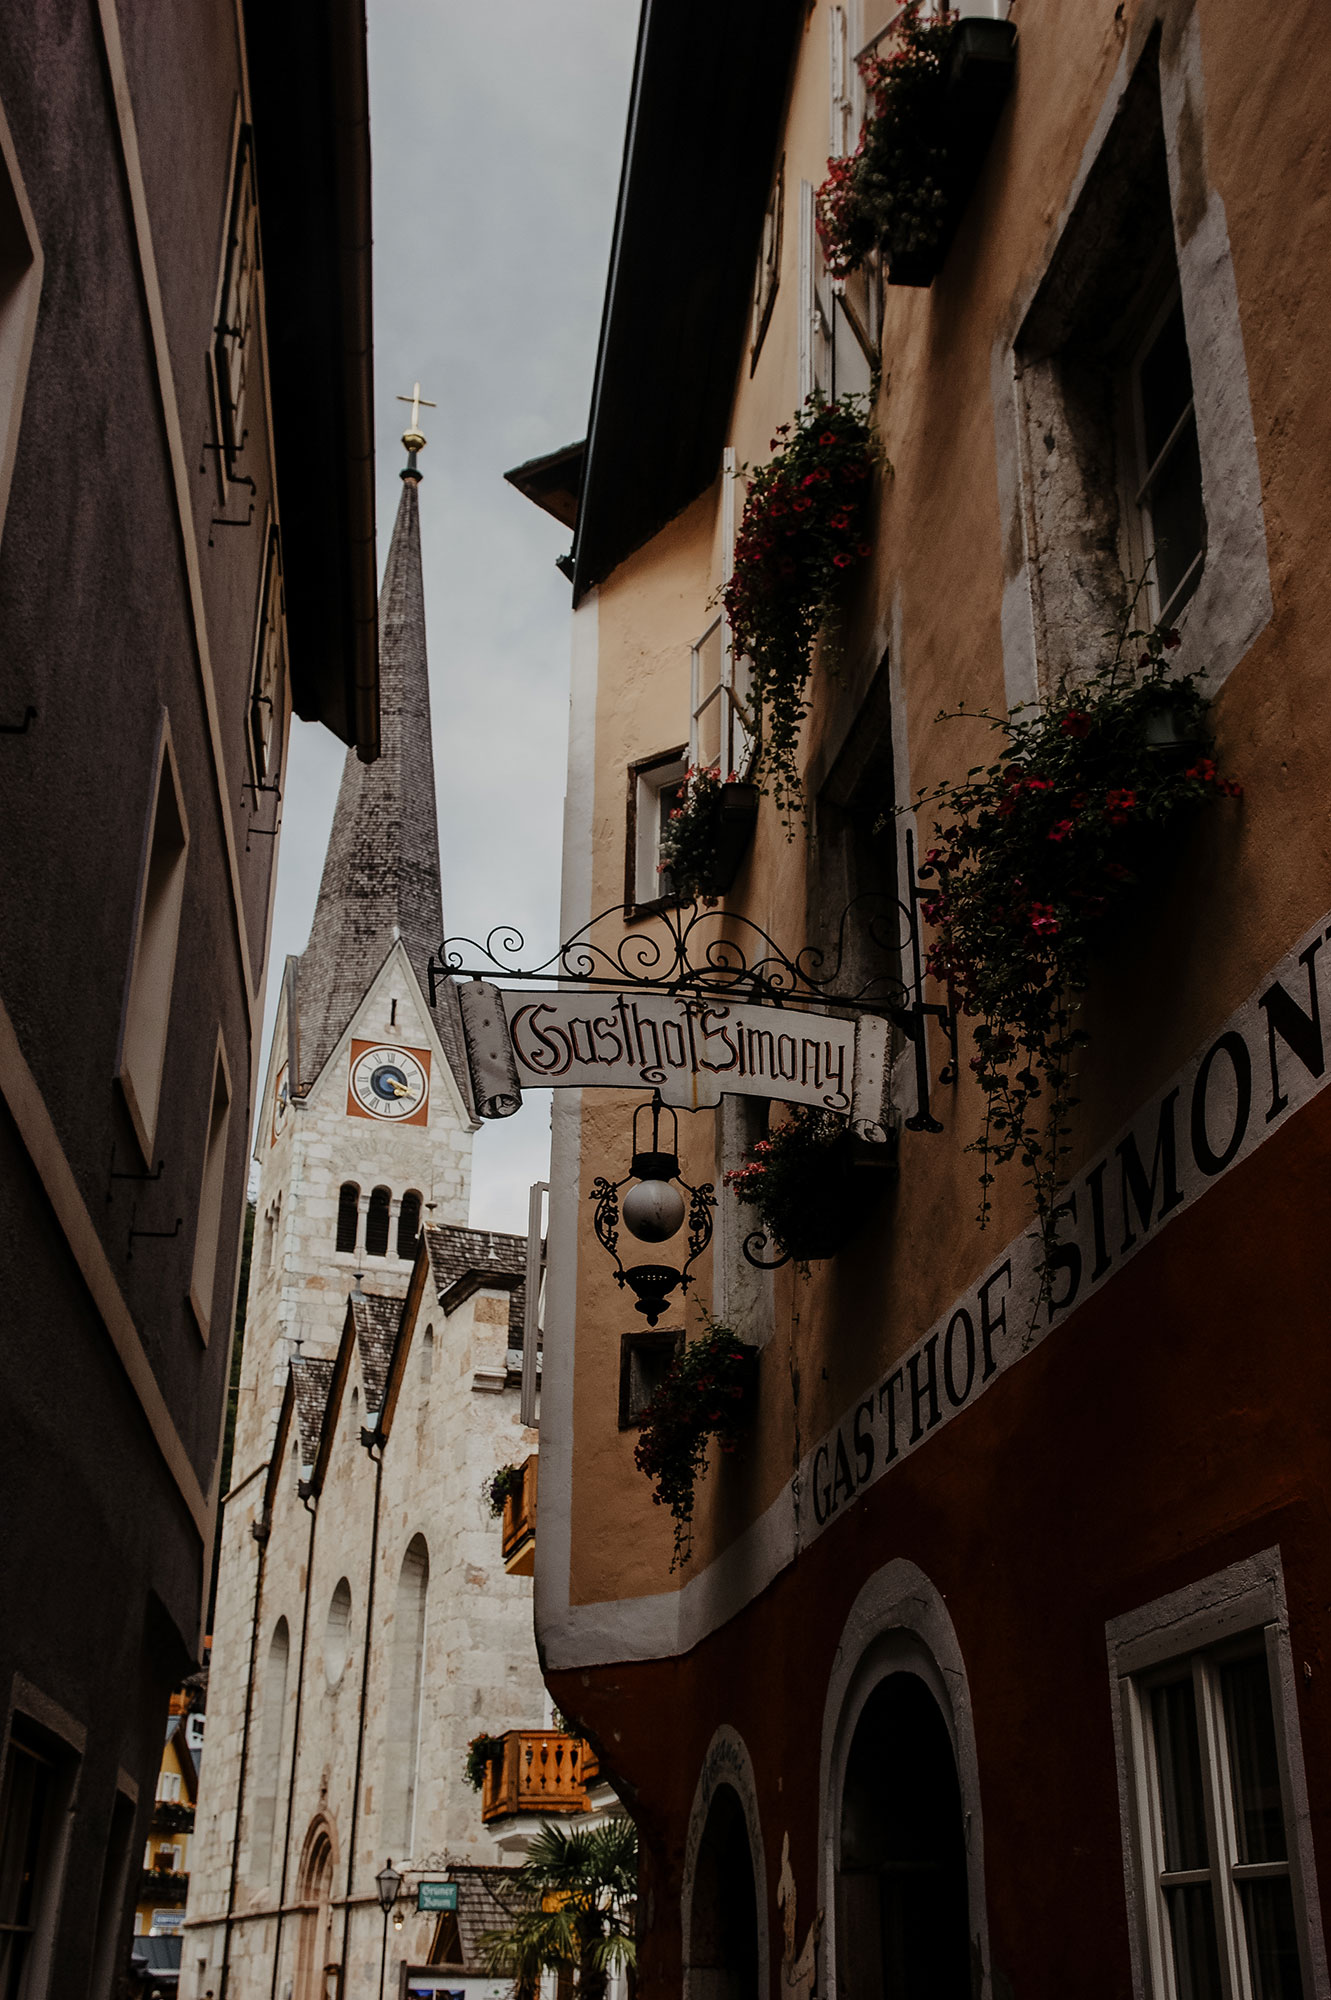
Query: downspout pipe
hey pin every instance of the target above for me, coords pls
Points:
(374, 1444)
(260, 1529)
(312, 1509)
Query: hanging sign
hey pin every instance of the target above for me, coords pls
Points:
(436, 1896)
(693, 1050)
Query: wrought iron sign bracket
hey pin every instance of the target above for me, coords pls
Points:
(713, 956)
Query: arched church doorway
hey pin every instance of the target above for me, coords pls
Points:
(723, 1932)
(903, 1930)
(314, 1893)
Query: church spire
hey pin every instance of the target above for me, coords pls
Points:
(381, 872)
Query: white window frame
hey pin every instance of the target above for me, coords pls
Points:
(1198, 1625)
(1141, 475)
(650, 778)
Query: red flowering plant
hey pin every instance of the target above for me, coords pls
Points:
(802, 1183)
(892, 190)
(802, 530)
(1032, 853)
(706, 1394)
(692, 832)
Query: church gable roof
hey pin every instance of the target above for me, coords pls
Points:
(463, 1261)
(312, 1378)
(381, 872)
(377, 1320)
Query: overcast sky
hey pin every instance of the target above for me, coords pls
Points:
(497, 132)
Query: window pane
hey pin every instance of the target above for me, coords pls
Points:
(1193, 1941)
(1166, 384)
(1178, 520)
(1178, 1763)
(1253, 1766)
(1273, 1953)
(667, 802)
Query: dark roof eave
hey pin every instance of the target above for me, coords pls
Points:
(709, 93)
(309, 95)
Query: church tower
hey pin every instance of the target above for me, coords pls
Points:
(365, 1133)
(370, 1623)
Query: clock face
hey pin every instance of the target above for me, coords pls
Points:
(389, 1082)
(281, 1104)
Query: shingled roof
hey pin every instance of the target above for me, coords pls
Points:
(488, 1900)
(381, 872)
(376, 1319)
(312, 1379)
(463, 1261)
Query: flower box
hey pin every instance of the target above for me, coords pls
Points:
(813, 1183)
(935, 98)
(707, 835)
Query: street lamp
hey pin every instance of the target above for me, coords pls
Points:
(389, 1883)
(653, 1210)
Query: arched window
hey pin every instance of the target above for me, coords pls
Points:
(354, 1412)
(272, 1721)
(348, 1216)
(408, 1224)
(337, 1633)
(902, 1910)
(427, 1354)
(376, 1224)
(723, 1927)
(314, 1890)
(402, 1734)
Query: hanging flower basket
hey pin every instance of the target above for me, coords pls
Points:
(707, 1394)
(933, 100)
(482, 1751)
(802, 532)
(1033, 853)
(809, 1184)
(496, 1489)
(706, 836)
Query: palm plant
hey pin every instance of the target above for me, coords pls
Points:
(581, 1885)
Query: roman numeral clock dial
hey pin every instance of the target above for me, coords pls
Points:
(388, 1082)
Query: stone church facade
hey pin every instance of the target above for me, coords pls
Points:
(366, 1629)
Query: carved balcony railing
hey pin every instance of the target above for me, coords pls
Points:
(541, 1771)
(520, 1523)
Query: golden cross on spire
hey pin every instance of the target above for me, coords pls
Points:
(413, 437)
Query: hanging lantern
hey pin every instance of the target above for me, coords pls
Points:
(653, 1210)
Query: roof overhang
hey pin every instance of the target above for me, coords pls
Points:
(709, 94)
(309, 95)
(554, 482)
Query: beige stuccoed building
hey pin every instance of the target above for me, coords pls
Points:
(366, 1628)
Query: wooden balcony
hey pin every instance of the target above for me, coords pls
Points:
(520, 1523)
(541, 1772)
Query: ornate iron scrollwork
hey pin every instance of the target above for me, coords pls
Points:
(711, 953)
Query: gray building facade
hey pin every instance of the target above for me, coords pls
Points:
(186, 560)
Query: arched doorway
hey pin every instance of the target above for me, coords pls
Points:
(903, 1921)
(314, 1892)
(722, 1941)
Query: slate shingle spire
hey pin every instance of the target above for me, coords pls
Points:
(381, 872)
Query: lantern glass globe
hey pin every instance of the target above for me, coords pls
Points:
(653, 1211)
